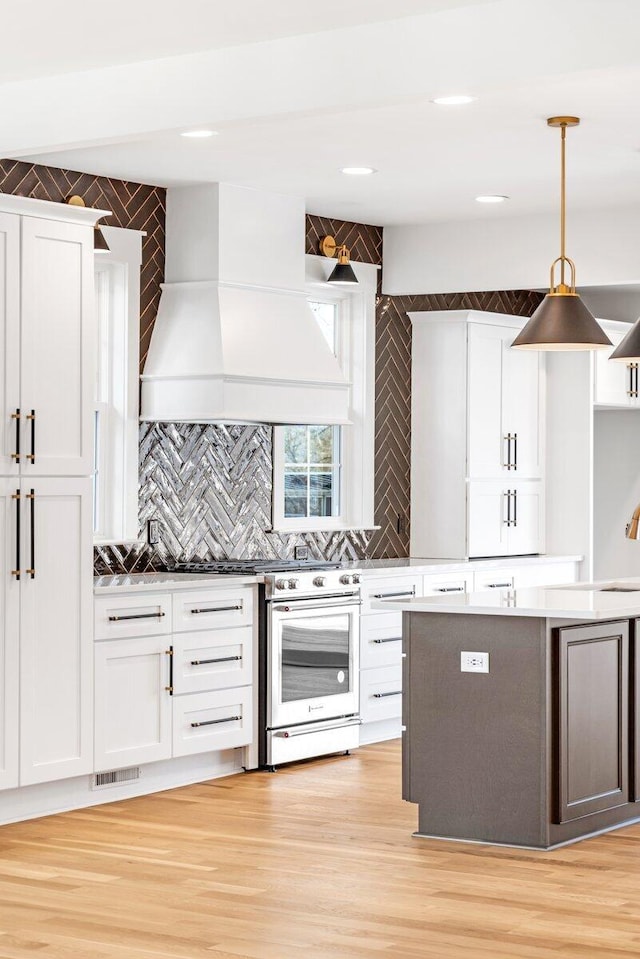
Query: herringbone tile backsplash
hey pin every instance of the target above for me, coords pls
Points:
(210, 488)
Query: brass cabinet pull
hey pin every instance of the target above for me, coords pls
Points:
(214, 722)
(515, 451)
(396, 692)
(31, 496)
(16, 416)
(633, 380)
(406, 592)
(32, 455)
(16, 496)
(169, 653)
(389, 639)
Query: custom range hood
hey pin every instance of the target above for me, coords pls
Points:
(235, 339)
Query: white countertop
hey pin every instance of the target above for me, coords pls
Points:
(573, 601)
(133, 582)
(418, 564)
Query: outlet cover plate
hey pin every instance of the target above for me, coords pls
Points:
(474, 662)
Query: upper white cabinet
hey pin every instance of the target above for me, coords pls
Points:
(477, 456)
(47, 321)
(616, 383)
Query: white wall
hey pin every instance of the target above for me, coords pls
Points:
(616, 492)
(511, 253)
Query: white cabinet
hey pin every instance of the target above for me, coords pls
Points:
(132, 702)
(615, 382)
(381, 655)
(56, 652)
(47, 351)
(9, 637)
(173, 674)
(477, 447)
(505, 519)
(504, 402)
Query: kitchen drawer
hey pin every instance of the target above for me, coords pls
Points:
(140, 614)
(380, 640)
(493, 579)
(391, 587)
(222, 719)
(436, 584)
(380, 693)
(212, 608)
(212, 659)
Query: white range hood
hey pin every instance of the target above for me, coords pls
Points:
(235, 339)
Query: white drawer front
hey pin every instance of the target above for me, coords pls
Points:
(380, 693)
(392, 587)
(543, 574)
(141, 614)
(441, 584)
(212, 659)
(493, 579)
(212, 608)
(380, 640)
(222, 719)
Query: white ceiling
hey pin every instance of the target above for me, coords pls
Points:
(297, 91)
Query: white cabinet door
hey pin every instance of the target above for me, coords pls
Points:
(616, 382)
(56, 655)
(9, 343)
(132, 702)
(504, 405)
(9, 635)
(505, 520)
(57, 349)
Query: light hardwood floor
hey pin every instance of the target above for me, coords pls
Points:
(315, 861)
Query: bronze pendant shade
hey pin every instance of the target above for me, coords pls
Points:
(629, 347)
(562, 321)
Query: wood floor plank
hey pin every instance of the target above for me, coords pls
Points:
(316, 861)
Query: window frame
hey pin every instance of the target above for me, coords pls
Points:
(116, 511)
(355, 349)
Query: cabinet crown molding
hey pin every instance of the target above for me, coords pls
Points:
(49, 210)
(467, 316)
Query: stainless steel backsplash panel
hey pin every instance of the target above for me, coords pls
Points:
(210, 488)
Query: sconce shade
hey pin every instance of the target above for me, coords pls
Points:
(343, 273)
(629, 347)
(633, 529)
(562, 322)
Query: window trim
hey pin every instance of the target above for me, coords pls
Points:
(119, 510)
(356, 333)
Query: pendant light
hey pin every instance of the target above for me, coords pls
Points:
(562, 321)
(629, 349)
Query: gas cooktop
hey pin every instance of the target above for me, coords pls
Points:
(252, 567)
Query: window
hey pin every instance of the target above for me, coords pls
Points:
(115, 480)
(323, 475)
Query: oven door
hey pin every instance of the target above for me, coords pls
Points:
(312, 660)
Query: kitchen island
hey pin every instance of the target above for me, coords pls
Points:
(521, 712)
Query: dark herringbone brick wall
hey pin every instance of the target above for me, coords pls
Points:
(364, 242)
(393, 401)
(134, 206)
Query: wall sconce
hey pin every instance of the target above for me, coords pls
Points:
(343, 271)
(100, 244)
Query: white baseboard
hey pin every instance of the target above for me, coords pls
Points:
(380, 731)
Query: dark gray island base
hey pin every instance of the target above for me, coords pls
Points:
(541, 750)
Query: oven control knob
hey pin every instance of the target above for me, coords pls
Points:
(282, 584)
(293, 583)
(356, 578)
(346, 579)
(320, 581)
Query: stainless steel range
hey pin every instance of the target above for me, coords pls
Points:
(309, 641)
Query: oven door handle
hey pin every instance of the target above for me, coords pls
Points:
(319, 727)
(303, 606)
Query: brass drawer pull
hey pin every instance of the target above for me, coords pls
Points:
(389, 639)
(215, 609)
(396, 692)
(119, 619)
(214, 722)
(222, 659)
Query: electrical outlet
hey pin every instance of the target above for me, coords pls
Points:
(301, 552)
(153, 531)
(474, 662)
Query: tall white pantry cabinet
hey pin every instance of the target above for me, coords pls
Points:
(46, 458)
(477, 438)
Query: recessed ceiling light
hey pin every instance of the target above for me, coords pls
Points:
(199, 134)
(454, 101)
(491, 198)
(358, 170)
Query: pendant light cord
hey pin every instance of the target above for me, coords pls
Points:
(563, 138)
